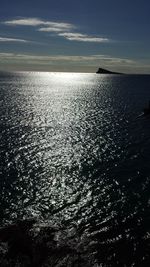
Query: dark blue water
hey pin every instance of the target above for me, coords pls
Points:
(74, 151)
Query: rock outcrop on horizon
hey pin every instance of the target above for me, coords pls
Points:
(104, 71)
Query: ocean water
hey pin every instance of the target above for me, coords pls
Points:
(74, 151)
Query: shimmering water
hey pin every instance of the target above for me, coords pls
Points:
(74, 151)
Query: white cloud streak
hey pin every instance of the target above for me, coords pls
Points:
(58, 25)
(82, 37)
(4, 39)
(48, 25)
(52, 29)
(24, 22)
(61, 29)
(6, 55)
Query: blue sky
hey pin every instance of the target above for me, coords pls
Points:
(66, 35)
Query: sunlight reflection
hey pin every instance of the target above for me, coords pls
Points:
(66, 127)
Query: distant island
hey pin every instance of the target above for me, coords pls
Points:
(104, 71)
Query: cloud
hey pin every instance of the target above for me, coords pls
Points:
(6, 55)
(34, 22)
(58, 25)
(61, 29)
(4, 39)
(89, 63)
(24, 22)
(91, 59)
(52, 29)
(83, 37)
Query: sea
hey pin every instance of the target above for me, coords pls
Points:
(75, 155)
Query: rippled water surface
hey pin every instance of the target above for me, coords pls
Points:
(74, 150)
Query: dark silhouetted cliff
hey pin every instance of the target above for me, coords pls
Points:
(104, 71)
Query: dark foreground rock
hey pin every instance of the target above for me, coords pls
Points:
(31, 244)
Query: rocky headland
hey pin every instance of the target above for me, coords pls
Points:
(104, 71)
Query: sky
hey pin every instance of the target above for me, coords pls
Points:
(80, 36)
